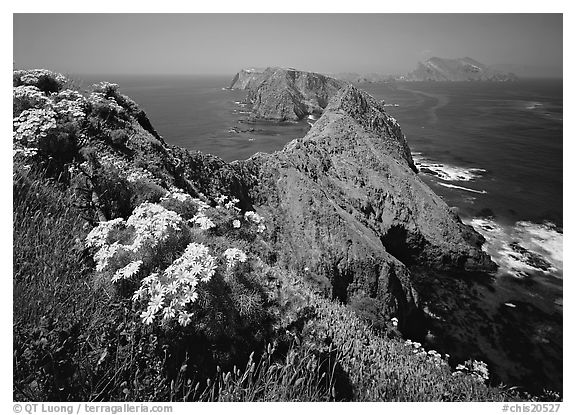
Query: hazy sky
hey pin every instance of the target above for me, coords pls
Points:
(224, 43)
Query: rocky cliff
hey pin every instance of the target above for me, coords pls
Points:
(247, 78)
(348, 207)
(279, 94)
(461, 69)
(343, 205)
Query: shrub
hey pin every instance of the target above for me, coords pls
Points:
(45, 80)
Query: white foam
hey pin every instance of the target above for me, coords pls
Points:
(446, 172)
(516, 248)
(452, 186)
(534, 105)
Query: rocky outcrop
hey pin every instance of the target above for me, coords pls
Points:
(247, 78)
(461, 69)
(287, 94)
(347, 205)
(343, 205)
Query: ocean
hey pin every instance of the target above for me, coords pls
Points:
(491, 150)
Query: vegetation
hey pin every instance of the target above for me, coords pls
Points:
(127, 287)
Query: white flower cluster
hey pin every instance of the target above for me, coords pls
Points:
(179, 195)
(70, 103)
(107, 88)
(476, 368)
(431, 355)
(127, 170)
(257, 219)
(34, 77)
(200, 217)
(151, 224)
(29, 95)
(230, 204)
(31, 126)
(233, 256)
(109, 102)
(169, 293)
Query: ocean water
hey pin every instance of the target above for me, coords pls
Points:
(492, 150)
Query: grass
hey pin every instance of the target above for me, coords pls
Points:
(74, 342)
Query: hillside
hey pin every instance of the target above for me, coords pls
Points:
(148, 272)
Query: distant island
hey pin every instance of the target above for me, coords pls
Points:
(438, 69)
(456, 70)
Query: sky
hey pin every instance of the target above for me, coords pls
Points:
(329, 43)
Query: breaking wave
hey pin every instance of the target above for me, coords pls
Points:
(446, 172)
(453, 186)
(523, 248)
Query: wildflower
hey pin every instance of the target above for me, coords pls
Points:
(128, 271)
(147, 316)
(204, 221)
(139, 293)
(150, 279)
(232, 203)
(236, 223)
(156, 302)
(184, 318)
(253, 217)
(169, 313)
(394, 321)
(234, 255)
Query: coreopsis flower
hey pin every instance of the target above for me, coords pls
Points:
(233, 256)
(147, 316)
(97, 237)
(156, 302)
(256, 219)
(29, 96)
(32, 125)
(232, 203)
(128, 271)
(184, 318)
(204, 221)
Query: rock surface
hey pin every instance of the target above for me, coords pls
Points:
(247, 78)
(461, 69)
(343, 205)
(346, 204)
(279, 94)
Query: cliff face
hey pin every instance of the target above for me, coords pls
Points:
(343, 205)
(462, 69)
(279, 94)
(247, 78)
(347, 205)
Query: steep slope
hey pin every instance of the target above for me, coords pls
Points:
(461, 69)
(347, 205)
(279, 94)
(343, 205)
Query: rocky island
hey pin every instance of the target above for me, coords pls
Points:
(279, 94)
(456, 70)
(198, 262)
